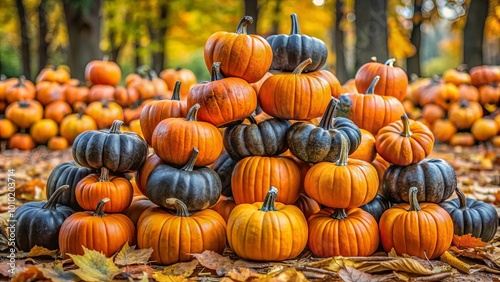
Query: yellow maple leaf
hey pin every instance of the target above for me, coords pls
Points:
(94, 266)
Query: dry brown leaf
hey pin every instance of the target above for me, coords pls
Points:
(241, 273)
(467, 241)
(160, 277)
(455, 262)
(351, 274)
(184, 269)
(412, 266)
(56, 272)
(287, 274)
(393, 253)
(129, 255)
(38, 251)
(137, 271)
(215, 261)
(30, 274)
(337, 263)
(94, 266)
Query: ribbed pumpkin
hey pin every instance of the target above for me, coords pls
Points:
(347, 183)
(337, 232)
(48, 92)
(468, 92)
(333, 81)
(101, 92)
(252, 177)
(184, 76)
(23, 90)
(432, 112)
(181, 233)
(404, 142)
(307, 205)
(139, 205)
(224, 206)
(24, 113)
(125, 97)
(440, 93)
(104, 113)
(489, 94)
(75, 94)
(464, 113)
(103, 72)
(481, 75)
(57, 143)
(55, 73)
(424, 230)
(366, 150)
(370, 111)
(456, 76)
(57, 110)
(393, 80)
(295, 95)
(141, 175)
(247, 56)
(106, 233)
(73, 125)
(268, 230)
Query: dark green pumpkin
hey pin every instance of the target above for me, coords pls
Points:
(224, 166)
(290, 50)
(38, 223)
(377, 206)
(266, 138)
(118, 151)
(472, 217)
(435, 180)
(198, 188)
(67, 173)
(314, 144)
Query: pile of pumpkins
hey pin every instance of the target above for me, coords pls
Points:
(313, 168)
(57, 108)
(461, 107)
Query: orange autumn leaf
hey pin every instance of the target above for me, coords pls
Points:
(467, 241)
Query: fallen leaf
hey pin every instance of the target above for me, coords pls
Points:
(94, 266)
(241, 273)
(393, 253)
(56, 272)
(455, 262)
(337, 263)
(129, 255)
(412, 266)
(215, 261)
(145, 277)
(160, 277)
(287, 274)
(351, 274)
(184, 269)
(38, 251)
(137, 271)
(467, 241)
(30, 274)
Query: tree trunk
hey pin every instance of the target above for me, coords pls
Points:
(158, 34)
(25, 44)
(252, 9)
(276, 20)
(137, 59)
(474, 31)
(43, 45)
(413, 62)
(340, 66)
(84, 31)
(371, 31)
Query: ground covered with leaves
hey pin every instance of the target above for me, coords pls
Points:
(478, 171)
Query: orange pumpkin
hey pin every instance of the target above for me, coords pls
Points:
(456, 76)
(366, 151)
(22, 90)
(125, 97)
(464, 113)
(432, 112)
(101, 92)
(484, 129)
(103, 72)
(307, 205)
(256, 85)
(48, 92)
(43, 130)
(7, 128)
(57, 143)
(468, 92)
(74, 94)
(224, 206)
(74, 124)
(481, 75)
(443, 130)
(59, 74)
(57, 110)
(21, 141)
(185, 76)
(333, 81)
(489, 94)
(349, 87)
(440, 93)
(24, 113)
(104, 113)
(381, 166)
(137, 207)
(141, 176)
(462, 139)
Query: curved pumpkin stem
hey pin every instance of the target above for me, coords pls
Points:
(339, 214)
(461, 198)
(300, 68)
(179, 206)
(406, 126)
(115, 127)
(295, 24)
(193, 113)
(104, 175)
(3, 77)
(326, 119)
(176, 93)
(81, 111)
(344, 151)
(99, 210)
(371, 88)
(242, 25)
(52, 201)
(20, 81)
(190, 163)
(268, 204)
(390, 62)
(252, 119)
(24, 104)
(216, 73)
(414, 206)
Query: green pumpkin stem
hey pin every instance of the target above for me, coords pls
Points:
(51, 203)
(242, 25)
(461, 198)
(104, 175)
(406, 126)
(300, 68)
(216, 73)
(99, 210)
(331, 110)
(339, 214)
(371, 88)
(252, 119)
(414, 206)
(190, 163)
(176, 93)
(179, 206)
(115, 127)
(344, 151)
(193, 113)
(295, 24)
(268, 204)
(390, 62)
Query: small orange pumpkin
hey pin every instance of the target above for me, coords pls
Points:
(21, 141)
(103, 72)
(24, 113)
(185, 76)
(57, 143)
(104, 113)
(43, 130)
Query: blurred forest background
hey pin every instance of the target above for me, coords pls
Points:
(425, 36)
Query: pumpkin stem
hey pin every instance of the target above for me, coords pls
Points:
(371, 88)
(268, 204)
(105, 57)
(52, 201)
(179, 206)
(176, 93)
(81, 111)
(99, 210)
(461, 198)
(115, 127)
(390, 62)
(104, 176)
(24, 104)
(344, 151)
(413, 77)
(20, 81)
(252, 119)
(193, 113)
(300, 68)
(152, 74)
(339, 214)
(406, 126)
(295, 24)
(178, 68)
(414, 206)
(326, 119)
(216, 72)
(373, 58)
(3, 77)
(190, 163)
(242, 25)
(464, 103)
(462, 68)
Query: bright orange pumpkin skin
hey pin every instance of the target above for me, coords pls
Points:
(7, 128)
(224, 207)
(185, 76)
(74, 124)
(24, 113)
(21, 141)
(307, 205)
(366, 150)
(43, 130)
(57, 143)
(103, 72)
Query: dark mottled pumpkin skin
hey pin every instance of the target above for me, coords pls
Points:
(37, 226)
(198, 189)
(266, 138)
(121, 152)
(478, 218)
(67, 173)
(435, 180)
(224, 167)
(377, 206)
